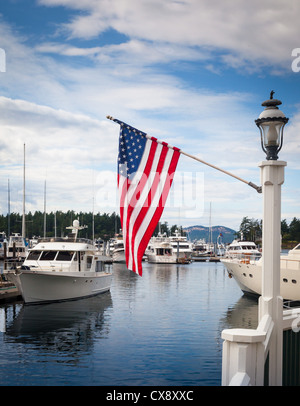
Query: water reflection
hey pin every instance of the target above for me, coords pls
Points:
(243, 314)
(58, 327)
(163, 328)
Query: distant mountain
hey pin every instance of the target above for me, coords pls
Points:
(202, 232)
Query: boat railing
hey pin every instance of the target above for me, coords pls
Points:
(244, 258)
(65, 239)
(160, 239)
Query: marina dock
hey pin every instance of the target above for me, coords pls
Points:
(8, 292)
(206, 259)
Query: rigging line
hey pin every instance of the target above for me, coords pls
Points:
(257, 188)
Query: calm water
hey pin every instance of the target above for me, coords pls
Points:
(163, 329)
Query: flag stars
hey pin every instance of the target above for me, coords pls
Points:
(131, 148)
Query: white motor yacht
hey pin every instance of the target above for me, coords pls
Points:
(238, 249)
(202, 249)
(118, 252)
(181, 247)
(16, 247)
(160, 251)
(59, 269)
(2, 242)
(247, 271)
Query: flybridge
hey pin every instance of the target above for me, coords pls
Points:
(69, 239)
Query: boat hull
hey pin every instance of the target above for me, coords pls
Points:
(119, 257)
(161, 259)
(249, 277)
(38, 287)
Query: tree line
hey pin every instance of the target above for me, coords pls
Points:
(105, 225)
(251, 230)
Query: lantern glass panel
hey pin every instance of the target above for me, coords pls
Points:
(271, 133)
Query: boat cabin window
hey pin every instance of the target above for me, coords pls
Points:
(34, 255)
(163, 251)
(89, 261)
(17, 249)
(64, 255)
(48, 255)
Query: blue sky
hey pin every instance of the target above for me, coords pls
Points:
(192, 73)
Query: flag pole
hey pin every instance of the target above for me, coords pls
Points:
(257, 188)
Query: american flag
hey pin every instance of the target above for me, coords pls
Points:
(146, 169)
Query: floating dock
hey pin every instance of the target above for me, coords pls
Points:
(8, 292)
(206, 259)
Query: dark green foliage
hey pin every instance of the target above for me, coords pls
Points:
(252, 230)
(105, 225)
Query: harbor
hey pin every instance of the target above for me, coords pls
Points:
(127, 132)
(163, 329)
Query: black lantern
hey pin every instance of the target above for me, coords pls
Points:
(271, 123)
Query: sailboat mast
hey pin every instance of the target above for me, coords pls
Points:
(8, 208)
(55, 224)
(93, 221)
(45, 210)
(23, 217)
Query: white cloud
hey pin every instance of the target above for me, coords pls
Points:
(66, 149)
(242, 31)
(57, 96)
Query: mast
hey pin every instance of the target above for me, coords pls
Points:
(23, 217)
(8, 208)
(210, 228)
(93, 222)
(45, 220)
(55, 224)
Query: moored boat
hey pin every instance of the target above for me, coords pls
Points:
(3, 240)
(239, 248)
(182, 247)
(118, 252)
(59, 269)
(160, 251)
(16, 247)
(247, 271)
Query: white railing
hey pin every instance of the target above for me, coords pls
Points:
(244, 353)
(243, 258)
(245, 350)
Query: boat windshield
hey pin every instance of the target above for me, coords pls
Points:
(34, 255)
(163, 251)
(64, 255)
(48, 255)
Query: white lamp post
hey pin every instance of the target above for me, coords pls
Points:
(271, 123)
(245, 350)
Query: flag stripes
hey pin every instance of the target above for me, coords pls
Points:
(144, 179)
